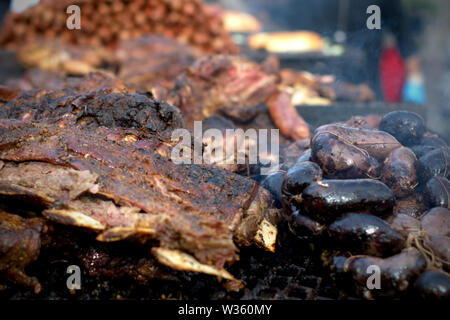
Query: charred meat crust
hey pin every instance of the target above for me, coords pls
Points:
(103, 107)
(194, 208)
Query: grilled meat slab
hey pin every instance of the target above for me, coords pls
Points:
(231, 84)
(215, 82)
(121, 183)
(142, 63)
(111, 107)
(153, 61)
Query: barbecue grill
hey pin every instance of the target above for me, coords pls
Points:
(88, 129)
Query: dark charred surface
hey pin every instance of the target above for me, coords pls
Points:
(428, 144)
(104, 107)
(293, 272)
(206, 203)
(433, 140)
(421, 150)
(124, 271)
(306, 156)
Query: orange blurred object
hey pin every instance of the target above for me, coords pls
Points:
(295, 41)
(235, 21)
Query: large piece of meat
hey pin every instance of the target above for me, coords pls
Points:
(216, 82)
(153, 61)
(110, 107)
(122, 184)
(144, 63)
(232, 84)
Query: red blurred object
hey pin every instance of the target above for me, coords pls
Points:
(392, 74)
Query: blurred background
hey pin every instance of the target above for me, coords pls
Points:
(406, 63)
(418, 30)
